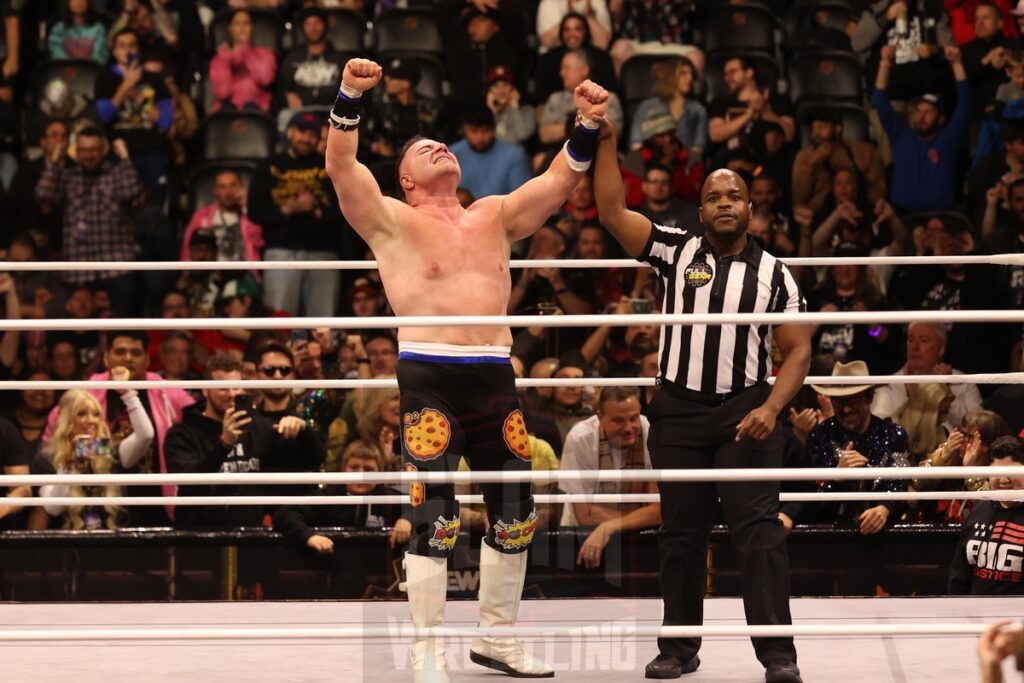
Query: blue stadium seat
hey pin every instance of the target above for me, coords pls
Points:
(267, 29)
(408, 31)
(238, 135)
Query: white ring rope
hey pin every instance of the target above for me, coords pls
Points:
(71, 266)
(46, 385)
(615, 630)
(476, 499)
(510, 477)
(610, 320)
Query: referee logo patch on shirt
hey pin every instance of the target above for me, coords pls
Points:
(697, 274)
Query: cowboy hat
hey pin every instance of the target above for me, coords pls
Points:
(857, 368)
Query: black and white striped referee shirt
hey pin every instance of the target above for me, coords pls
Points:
(717, 359)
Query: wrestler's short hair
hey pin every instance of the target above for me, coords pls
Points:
(398, 163)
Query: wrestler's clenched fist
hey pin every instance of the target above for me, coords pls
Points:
(591, 100)
(362, 74)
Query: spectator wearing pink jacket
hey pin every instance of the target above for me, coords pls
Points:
(237, 237)
(164, 407)
(241, 75)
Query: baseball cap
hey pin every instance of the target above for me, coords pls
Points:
(363, 285)
(306, 120)
(499, 72)
(931, 98)
(243, 286)
(656, 120)
(403, 69)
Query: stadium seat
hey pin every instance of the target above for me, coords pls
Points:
(856, 125)
(347, 30)
(714, 80)
(238, 135)
(740, 27)
(827, 76)
(200, 187)
(638, 76)
(834, 15)
(433, 81)
(407, 31)
(267, 29)
(79, 74)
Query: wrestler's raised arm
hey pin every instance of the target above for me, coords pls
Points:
(527, 208)
(362, 203)
(630, 228)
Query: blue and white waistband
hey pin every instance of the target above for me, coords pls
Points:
(430, 352)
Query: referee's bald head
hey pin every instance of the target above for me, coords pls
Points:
(725, 205)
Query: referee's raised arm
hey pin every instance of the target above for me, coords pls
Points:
(630, 228)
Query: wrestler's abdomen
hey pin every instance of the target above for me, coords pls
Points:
(463, 273)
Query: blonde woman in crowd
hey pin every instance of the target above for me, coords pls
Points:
(924, 417)
(81, 444)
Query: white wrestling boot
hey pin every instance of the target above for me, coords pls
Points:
(427, 585)
(501, 588)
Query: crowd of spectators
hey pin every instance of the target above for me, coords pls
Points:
(194, 131)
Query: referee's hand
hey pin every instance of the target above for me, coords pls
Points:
(758, 424)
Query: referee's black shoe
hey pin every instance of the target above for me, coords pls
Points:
(782, 671)
(669, 666)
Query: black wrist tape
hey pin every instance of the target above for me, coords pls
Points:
(345, 113)
(581, 148)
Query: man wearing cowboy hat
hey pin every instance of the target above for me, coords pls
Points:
(853, 437)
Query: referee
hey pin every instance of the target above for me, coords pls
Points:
(715, 407)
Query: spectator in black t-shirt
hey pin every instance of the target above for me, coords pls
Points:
(659, 203)
(736, 121)
(473, 47)
(986, 56)
(399, 112)
(45, 228)
(296, 521)
(14, 460)
(309, 74)
(136, 107)
(988, 556)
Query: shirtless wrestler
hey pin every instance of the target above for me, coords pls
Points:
(457, 386)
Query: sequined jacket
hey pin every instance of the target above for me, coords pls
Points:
(884, 443)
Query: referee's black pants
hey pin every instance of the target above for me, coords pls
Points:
(694, 431)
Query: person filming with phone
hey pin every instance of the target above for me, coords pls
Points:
(81, 444)
(224, 433)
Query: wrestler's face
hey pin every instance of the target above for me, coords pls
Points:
(725, 205)
(428, 163)
(620, 422)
